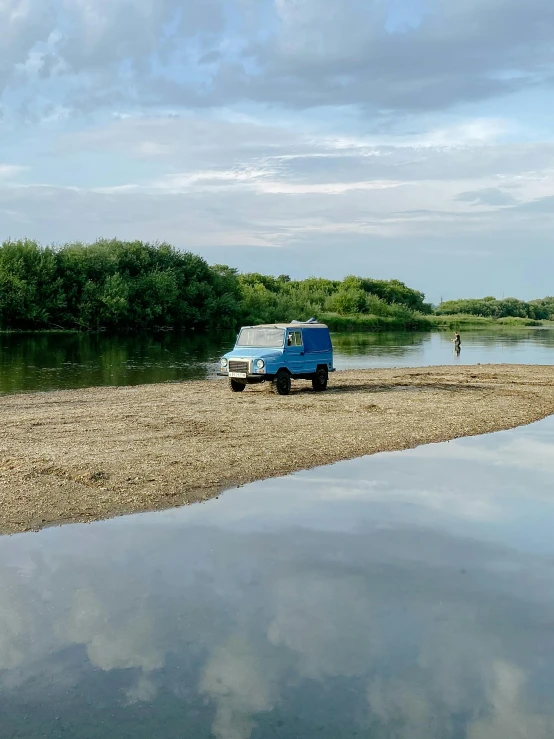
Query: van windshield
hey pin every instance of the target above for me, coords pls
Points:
(261, 337)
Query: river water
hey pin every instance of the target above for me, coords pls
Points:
(38, 362)
(405, 595)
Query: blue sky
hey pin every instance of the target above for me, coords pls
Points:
(390, 138)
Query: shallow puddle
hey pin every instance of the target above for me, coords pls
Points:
(405, 595)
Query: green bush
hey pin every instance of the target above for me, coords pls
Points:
(408, 322)
(490, 307)
(131, 286)
(113, 285)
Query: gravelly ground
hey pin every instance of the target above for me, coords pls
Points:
(85, 455)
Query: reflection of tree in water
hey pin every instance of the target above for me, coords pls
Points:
(30, 362)
(513, 337)
(402, 342)
(274, 632)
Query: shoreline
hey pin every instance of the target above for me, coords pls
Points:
(84, 455)
(342, 325)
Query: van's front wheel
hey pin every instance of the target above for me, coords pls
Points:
(320, 379)
(282, 382)
(236, 387)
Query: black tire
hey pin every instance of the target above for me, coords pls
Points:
(237, 387)
(282, 382)
(320, 380)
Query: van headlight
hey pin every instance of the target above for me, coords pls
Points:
(260, 364)
(224, 362)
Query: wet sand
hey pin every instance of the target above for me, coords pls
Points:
(85, 455)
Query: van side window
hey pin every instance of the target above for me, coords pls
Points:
(295, 338)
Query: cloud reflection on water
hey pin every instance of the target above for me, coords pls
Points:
(391, 586)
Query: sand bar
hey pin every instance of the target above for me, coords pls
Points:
(85, 455)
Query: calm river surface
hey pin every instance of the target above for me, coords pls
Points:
(54, 361)
(406, 595)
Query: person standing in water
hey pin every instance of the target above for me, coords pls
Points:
(457, 342)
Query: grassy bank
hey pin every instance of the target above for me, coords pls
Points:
(362, 323)
(460, 321)
(371, 323)
(415, 322)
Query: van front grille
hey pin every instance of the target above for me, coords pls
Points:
(238, 366)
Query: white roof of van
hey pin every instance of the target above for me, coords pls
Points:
(289, 325)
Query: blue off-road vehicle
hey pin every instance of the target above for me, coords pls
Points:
(279, 353)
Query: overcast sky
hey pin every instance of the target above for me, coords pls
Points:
(390, 138)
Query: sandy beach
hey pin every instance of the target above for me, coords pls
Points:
(85, 455)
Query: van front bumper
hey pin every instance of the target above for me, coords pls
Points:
(250, 377)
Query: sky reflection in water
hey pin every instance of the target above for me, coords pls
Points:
(405, 595)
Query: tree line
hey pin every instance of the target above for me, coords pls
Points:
(121, 286)
(491, 307)
(131, 286)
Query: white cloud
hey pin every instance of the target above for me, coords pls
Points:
(509, 715)
(112, 644)
(405, 704)
(309, 614)
(237, 160)
(144, 691)
(240, 685)
(10, 170)
(527, 454)
(212, 183)
(221, 182)
(24, 24)
(291, 52)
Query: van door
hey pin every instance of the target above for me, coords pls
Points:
(294, 351)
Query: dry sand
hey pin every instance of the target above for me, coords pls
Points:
(84, 455)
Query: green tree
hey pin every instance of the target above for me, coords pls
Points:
(133, 285)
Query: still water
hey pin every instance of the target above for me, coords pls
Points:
(406, 595)
(54, 361)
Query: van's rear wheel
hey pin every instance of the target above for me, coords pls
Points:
(282, 382)
(237, 387)
(320, 379)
